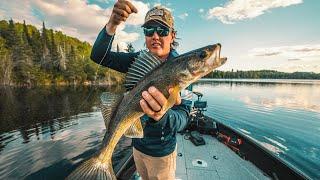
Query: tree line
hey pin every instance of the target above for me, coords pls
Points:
(262, 74)
(29, 57)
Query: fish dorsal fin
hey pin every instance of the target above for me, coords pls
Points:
(135, 130)
(109, 103)
(143, 64)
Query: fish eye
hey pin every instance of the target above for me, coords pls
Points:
(203, 54)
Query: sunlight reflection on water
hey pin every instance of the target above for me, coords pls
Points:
(283, 116)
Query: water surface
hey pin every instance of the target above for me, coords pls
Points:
(47, 132)
(281, 115)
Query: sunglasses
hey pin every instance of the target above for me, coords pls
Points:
(161, 31)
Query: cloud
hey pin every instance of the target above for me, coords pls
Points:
(293, 66)
(75, 18)
(302, 58)
(103, 1)
(122, 38)
(159, 4)
(294, 59)
(268, 54)
(183, 16)
(289, 52)
(11, 9)
(201, 10)
(138, 19)
(237, 10)
(2, 13)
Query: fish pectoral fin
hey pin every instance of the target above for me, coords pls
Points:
(172, 98)
(109, 103)
(135, 130)
(93, 169)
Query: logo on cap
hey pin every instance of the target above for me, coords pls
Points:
(156, 12)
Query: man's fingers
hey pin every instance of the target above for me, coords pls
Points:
(157, 95)
(149, 112)
(151, 101)
(134, 9)
(119, 19)
(121, 12)
(145, 108)
(127, 6)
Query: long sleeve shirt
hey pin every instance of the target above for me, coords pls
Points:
(159, 136)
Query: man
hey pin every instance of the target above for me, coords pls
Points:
(155, 153)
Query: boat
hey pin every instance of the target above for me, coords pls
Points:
(208, 149)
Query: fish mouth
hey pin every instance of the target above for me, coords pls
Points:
(215, 59)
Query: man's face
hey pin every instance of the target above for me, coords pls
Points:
(157, 44)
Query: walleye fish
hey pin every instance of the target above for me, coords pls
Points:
(122, 112)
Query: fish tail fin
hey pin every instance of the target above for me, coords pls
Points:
(93, 169)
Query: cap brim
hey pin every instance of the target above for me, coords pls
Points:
(158, 20)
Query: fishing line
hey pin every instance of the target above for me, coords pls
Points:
(91, 91)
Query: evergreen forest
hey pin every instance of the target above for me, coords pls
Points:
(32, 57)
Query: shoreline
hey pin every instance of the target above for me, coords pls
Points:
(280, 81)
(100, 84)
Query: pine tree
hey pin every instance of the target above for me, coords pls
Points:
(26, 33)
(71, 64)
(72, 54)
(63, 58)
(27, 54)
(55, 58)
(26, 44)
(130, 48)
(21, 53)
(4, 26)
(45, 59)
(36, 46)
(12, 36)
(5, 64)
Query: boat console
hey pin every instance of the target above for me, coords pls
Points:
(197, 119)
(244, 146)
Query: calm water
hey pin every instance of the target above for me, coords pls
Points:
(47, 132)
(282, 117)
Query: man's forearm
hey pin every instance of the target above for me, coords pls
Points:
(111, 29)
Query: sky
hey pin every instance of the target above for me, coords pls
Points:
(278, 35)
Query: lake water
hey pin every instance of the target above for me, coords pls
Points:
(47, 132)
(281, 115)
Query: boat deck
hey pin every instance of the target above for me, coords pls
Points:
(217, 162)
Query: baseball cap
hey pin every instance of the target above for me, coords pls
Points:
(160, 15)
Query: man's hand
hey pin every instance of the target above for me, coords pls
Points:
(121, 11)
(152, 103)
